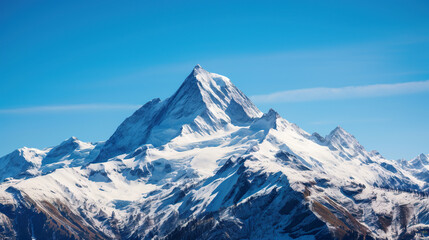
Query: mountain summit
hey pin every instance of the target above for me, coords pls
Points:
(203, 104)
(207, 164)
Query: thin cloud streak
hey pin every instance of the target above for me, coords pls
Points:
(368, 91)
(68, 108)
(348, 121)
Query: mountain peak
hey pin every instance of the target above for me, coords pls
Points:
(20, 163)
(198, 70)
(215, 93)
(70, 140)
(267, 121)
(207, 81)
(339, 130)
(204, 103)
(420, 161)
(273, 113)
(66, 147)
(342, 140)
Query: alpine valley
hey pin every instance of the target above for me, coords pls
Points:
(207, 164)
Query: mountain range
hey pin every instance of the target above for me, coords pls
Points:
(206, 163)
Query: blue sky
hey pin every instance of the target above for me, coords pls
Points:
(79, 68)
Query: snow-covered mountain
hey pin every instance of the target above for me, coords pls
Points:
(419, 168)
(207, 164)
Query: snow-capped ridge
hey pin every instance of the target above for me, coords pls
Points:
(133, 131)
(21, 163)
(318, 138)
(340, 138)
(205, 103)
(30, 162)
(71, 148)
(266, 122)
(344, 142)
(337, 131)
(424, 158)
(272, 114)
(420, 161)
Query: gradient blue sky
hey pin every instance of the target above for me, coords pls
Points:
(79, 68)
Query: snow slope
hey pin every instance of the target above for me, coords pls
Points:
(207, 164)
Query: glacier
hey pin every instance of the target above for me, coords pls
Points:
(206, 163)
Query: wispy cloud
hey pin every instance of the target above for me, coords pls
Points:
(67, 108)
(350, 121)
(366, 91)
